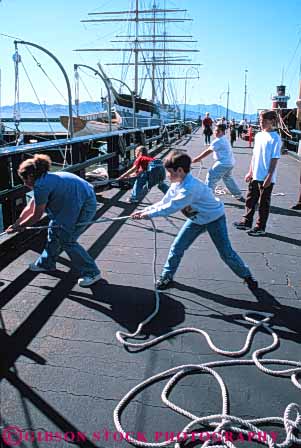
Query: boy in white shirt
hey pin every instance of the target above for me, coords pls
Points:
(261, 175)
(223, 165)
(204, 212)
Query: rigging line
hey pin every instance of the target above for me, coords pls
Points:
(125, 70)
(295, 75)
(148, 73)
(86, 89)
(16, 113)
(293, 57)
(45, 73)
(11, 37)
(38, 99)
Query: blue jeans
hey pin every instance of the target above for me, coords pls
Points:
(140, 187)
(59, 239)
(219, 235)
(219, 171)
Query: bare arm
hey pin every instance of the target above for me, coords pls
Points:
(249, 175)
(27, 211)
(32, 214)
(127, 173)
(202, 155)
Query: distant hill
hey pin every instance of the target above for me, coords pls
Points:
(55, 110)
(52, 110)
(215, 110)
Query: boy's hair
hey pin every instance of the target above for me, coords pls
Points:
(269, 115)
(142, 149)
(178, 159)
(220, 127)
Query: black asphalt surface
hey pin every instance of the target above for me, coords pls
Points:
(63, 370)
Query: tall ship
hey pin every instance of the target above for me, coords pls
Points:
(150, 53)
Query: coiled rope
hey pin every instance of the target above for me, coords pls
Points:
(219, 422)
(223, 421)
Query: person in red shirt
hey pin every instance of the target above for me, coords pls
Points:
(139, 172)
(207, 126)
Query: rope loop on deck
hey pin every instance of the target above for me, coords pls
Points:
(218, 426)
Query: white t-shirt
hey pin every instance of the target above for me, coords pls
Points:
(222, 151)
(267, 146)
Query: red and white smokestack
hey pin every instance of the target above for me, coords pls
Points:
(280, 100)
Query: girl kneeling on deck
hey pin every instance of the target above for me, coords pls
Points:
(69, 201)
(204, 212)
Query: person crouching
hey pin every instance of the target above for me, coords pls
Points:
(70, 203)
(139, 172)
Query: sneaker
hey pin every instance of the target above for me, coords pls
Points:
(88, 280)
(241, 199)
(297, 206)
(164, 283)
(241, 225)
(132, 201)
(257, 232)
(251, 283)
(34, 268)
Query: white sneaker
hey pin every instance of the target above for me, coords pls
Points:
(33, 267)
(88, 280)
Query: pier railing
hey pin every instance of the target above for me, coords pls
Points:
(292, 143)
(115, 149)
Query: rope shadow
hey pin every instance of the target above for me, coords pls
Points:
(275, 210)
(285, 316)
(284, 239)
(131, 305)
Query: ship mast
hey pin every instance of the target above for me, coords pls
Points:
(153, 56)
(136, 46)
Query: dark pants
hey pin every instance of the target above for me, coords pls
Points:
(262, 196)
(207, 133)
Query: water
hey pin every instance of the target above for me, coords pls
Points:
(37, 127)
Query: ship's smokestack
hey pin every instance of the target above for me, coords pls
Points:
(280, 100)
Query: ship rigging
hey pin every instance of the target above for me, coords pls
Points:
(149, 54)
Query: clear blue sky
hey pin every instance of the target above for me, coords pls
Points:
(233, 35)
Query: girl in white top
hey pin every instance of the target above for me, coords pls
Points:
(224, 163)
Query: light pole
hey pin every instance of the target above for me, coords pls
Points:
(227, 112)
(133, 98)
(220, 101)
(245, 96)
(185, 90)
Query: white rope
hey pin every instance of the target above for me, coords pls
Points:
(218, 422)
(123, 336)
(219, 190)
(223, 421)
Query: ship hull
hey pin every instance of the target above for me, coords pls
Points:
(84, 125)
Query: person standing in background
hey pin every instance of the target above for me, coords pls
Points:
(207, 128)
(261, 175)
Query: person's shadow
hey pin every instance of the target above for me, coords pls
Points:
(286, 318)
(129, 305)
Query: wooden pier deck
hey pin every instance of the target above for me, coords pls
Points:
(63, 371)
